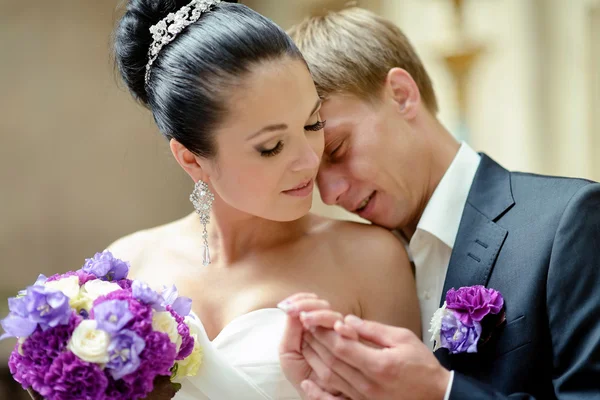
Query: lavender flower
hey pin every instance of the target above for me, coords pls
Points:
(112, 315)
(473, 303)
(41, 279)
(458, 337)
(181, 305)
(142, 292)
(40, 306)
(106, 267)
(124, 351)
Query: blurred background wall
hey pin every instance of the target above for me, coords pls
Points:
(81, 164)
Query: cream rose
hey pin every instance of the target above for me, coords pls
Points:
(88, 343)
(69, 286)
(96, 288)
(90, 291)
(164, 322)
(190, 365)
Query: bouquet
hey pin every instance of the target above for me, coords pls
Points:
(94, 334)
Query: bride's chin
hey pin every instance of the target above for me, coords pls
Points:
(293, 213)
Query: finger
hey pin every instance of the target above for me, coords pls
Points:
(305, 305)
(291, 341)
(356, 354)
(287, 303)
(345, 330)
(380, 334)
(333, 372)
(314, 392)
(320, 318)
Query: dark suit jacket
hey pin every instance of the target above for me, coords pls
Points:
(536, 239)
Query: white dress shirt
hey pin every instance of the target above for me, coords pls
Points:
(431, 245)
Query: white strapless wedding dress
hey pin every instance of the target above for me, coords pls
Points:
(242, 362)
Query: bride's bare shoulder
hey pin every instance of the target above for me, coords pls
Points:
(140, 245)
(358, 238)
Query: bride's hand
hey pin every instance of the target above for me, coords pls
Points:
(306, 312)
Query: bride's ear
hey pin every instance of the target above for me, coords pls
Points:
(191, 163)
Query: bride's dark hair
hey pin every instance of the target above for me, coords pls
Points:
(194, 75)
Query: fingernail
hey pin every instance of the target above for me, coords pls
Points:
(286, 306)
(353, 320)
(338, 325)
(304, 385)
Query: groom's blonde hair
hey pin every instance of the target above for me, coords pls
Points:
(352, 50)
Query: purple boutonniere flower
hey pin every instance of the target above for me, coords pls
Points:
(463, 323)
(473, 303)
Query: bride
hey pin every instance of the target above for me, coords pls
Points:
(233, 96)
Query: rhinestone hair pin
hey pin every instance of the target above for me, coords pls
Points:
(169, 27)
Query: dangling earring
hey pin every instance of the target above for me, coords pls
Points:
(202, 199)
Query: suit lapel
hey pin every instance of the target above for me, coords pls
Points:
(479, 238)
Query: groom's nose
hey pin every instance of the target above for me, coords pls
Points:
(332, 185)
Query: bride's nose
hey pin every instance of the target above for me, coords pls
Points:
(307, 158)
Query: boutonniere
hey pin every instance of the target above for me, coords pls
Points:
(467, 319)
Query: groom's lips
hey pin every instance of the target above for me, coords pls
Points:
(366, 212)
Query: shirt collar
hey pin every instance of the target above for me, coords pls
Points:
(442, 215)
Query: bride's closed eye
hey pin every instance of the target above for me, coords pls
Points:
(279, 146)
(274, 151)
(315, 127)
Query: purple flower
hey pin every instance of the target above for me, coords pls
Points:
(70, 378)
(112, 315)
(124, 351)
(125, 283)
(142, 313)
(38, 352)
(458, 337)
(40, 306)
(106, 267)
(187, 341)
(181, 305)
(156, 359)
(473, 303)
(145, 294)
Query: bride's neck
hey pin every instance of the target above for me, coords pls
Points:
(233, 234)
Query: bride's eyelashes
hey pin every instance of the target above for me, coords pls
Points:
(274, 151)
(279, 146)
(315, 127)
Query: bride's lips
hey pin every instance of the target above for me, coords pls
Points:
(302, 190)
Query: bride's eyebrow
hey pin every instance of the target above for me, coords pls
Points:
(282, 127)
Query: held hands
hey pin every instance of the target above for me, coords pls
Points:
(330, 357)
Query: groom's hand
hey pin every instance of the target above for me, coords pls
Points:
(401, 367)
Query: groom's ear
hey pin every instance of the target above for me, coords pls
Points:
(402, 89)
(195, 166)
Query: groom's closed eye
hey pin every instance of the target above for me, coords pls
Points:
(335, 148)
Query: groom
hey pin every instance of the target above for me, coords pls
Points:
(467, 221)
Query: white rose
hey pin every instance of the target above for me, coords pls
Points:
(96, 288)
(436, 325)
(88, 343)
(69, 286)
(164, 322)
